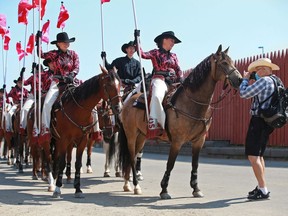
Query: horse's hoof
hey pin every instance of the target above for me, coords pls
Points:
(118, 174)
(106, 174)
(56, 195)
(127, 188)
(89, 169)
(51, 188)
(79, 195)
(165, 196)
(34, 178)
(137, 190)
(198, 194)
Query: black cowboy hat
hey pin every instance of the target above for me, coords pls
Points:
(126, 45)
(1, 90)
(63, 37)
(167, 34)
(19, 79)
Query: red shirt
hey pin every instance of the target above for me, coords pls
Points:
(64, 62)
(15, 94)
(45, 82)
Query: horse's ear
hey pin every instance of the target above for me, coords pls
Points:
(226, 51)
(103, 69)
(219, 49)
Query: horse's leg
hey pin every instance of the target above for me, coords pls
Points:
(107, 162)
(9, 151)
(47, 159)
(60, 158)
(196, 147)
(138, 166)
(116, 157)
(174, 150)
(89, 152)
(68, 164)
(78, 165)
(20, 152)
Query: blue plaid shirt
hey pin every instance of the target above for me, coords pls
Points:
(259, 91)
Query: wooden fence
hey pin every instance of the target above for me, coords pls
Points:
(231, 118)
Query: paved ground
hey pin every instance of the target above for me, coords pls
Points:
(224, 182)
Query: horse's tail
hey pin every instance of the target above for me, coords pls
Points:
(112, 147)
(124, 154)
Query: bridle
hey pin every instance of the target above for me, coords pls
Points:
(86, 129)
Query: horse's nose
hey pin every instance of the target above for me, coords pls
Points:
(117, 108)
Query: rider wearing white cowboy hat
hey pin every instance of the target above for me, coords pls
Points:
(259, 131)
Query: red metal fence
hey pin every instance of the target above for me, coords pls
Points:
(230, 121)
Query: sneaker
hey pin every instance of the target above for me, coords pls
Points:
(253, 191)
(258, 195)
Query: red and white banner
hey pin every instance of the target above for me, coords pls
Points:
(23, 8)
(45, 32)
(43, 6)
(63, 16)
(20, 51)
(2, 25)
(30, 44)
(7, 39)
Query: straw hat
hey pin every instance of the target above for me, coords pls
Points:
(262, 62)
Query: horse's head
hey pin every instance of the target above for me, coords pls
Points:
(225, 69)
(110, 82)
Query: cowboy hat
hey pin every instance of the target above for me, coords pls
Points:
(63, 37)
(18, 80)
(1, 90)
(167, 34)
(126, 45)
(262, 62)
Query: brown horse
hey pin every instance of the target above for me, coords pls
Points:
(188, 118)
(110, 139)
(74, 122)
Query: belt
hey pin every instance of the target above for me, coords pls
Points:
(164, 73)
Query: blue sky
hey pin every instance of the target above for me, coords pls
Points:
(202, 25)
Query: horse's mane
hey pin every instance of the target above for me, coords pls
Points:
(86, 89)
(198, 75)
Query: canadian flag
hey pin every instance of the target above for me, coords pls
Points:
(20, 51)
(2, 24)
(23, 8)
(7, 39)
(63, 16)
(30, 44)
(45, 32)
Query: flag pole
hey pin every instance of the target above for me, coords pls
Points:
(39, 69)
(142, 73)
(102, 31)
(35, 128)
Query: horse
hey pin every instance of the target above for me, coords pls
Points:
(188, 118)
(73, 122)
(109, 132)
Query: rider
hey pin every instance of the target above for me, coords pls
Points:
(31, 97)
(165, 72)
(66, 67)
(15, 94)
(128, 68)
(129, 71)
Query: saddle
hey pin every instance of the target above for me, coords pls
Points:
(170, 96)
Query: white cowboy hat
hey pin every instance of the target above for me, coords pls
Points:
(262, 62)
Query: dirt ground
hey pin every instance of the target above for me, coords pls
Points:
(224, 182)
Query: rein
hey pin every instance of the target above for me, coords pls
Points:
(221, 97)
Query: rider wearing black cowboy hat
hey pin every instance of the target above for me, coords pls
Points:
(66, 67)
(127, 66)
